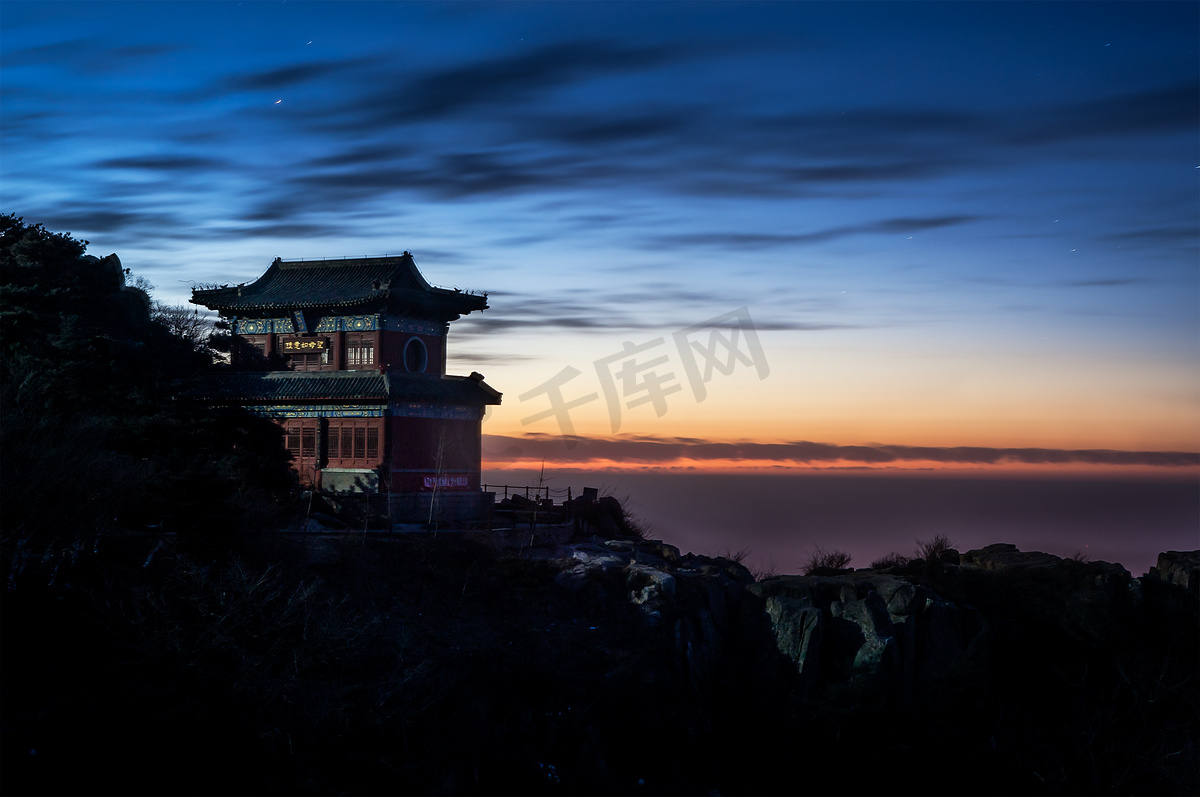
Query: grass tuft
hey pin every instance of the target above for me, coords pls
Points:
(826, 559)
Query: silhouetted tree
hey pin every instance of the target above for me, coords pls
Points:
(92, 436)
(184, 322)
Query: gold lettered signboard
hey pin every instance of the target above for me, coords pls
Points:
(303, 345)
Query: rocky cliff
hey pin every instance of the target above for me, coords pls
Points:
(1069, 676)
(537, 664)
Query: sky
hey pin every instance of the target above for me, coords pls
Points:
(795, 237)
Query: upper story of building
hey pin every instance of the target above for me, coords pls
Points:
(375, 313)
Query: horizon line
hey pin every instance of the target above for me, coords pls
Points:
(647, 452)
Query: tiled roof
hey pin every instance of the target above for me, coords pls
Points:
(299, 284)
(340, 386)
(290, 386)
(450, 389)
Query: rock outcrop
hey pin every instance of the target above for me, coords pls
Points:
(451, 665)
(696, 597)
(1181, 568)
(1088, 601)
(896, 638)
(883, 635)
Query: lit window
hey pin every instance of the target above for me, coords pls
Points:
(354, 442)
(360, 350)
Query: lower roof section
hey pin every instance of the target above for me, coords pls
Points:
(293, 386)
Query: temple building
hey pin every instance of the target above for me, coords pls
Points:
(349, 357)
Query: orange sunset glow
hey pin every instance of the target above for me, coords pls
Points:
(997, 415)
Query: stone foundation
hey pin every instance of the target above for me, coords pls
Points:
(448, 507)
(350, 480)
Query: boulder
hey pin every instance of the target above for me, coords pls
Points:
(879, 635)
(815, 591)
(1003, 556)
(574, 579)
(797, 629)
(660, 549)
(622, 546)
(597, 556)
(1089, 601)
(648, 585)
(653, 553)
(638, 556)
(734, 570)
(950, 556)
(1181, 568)
(822, 591)
(906, 600)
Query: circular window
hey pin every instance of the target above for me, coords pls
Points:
(416, 357)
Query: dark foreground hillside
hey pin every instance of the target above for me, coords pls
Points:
(449, 665)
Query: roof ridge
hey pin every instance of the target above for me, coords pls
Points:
(394, 283)
(345, 372)
(343, 261)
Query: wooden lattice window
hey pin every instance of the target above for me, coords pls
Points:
(252, 349)
(355, 442)
(360, 350)
(303, 442)
(312, 361)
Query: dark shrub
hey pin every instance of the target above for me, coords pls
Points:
(826, 559)
(934, 547)
(893, 559)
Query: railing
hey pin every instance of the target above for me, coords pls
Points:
(543, 505)
(532, 493)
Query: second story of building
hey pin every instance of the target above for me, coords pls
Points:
(361, 314)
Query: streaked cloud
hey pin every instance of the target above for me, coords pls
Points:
(617, 311)
(112, 218)
(733, 240)
(1096, 282)
(498, 81)
(288, 76)
(1167, 109)
(162, 163)
(85, 54)
(1180, 234)
(930, 216)
(656, 450)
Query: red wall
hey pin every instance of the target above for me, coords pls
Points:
(392, 350)
(389, 350)
(413, 447)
